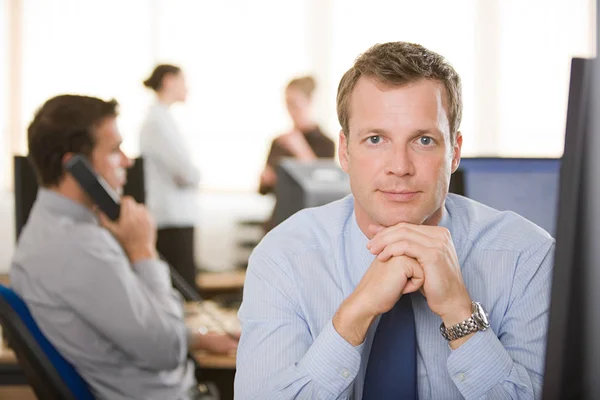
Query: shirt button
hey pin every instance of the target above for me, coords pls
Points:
(345, 373)
(461, 377)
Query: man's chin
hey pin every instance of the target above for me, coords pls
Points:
(118, 190)
(393, 220)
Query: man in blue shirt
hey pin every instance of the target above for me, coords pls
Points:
(320, 285)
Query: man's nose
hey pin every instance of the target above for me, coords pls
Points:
(399, 161)
(126, 161)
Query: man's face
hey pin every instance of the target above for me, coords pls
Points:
(399, 155)
(107, 158)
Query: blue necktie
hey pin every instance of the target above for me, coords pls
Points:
(392, 367)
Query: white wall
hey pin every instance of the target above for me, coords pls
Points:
(237, 57)
(513, 57)
(217, 233)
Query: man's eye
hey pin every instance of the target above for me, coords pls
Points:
(374, 139)
(425, 140)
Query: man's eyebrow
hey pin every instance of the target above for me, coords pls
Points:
(418, 132)
(376, 131)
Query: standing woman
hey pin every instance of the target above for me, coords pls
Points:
(171, 178)
(305, 141)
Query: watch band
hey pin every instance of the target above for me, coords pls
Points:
(459, 330)
(476, 322)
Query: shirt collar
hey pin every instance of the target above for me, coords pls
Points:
(446, 218)
(56, 203)
(359, 257)
(454, 226)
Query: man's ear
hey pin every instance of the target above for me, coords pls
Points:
(456, 151)
(343, 152)
(66, 157)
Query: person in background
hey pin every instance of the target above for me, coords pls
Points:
(305, 141)
(172, 179)
(96, 287)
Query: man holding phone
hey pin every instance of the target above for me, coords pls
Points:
(96, 287)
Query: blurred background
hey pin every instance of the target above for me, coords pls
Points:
(513, 56)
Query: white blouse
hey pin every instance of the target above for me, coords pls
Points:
(171, 178)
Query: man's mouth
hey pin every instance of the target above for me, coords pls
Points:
(400, 195)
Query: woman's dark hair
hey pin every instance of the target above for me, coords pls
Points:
(155, 80)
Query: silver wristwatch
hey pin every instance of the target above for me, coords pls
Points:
(477, 322)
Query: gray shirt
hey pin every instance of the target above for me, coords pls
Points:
(121, 325)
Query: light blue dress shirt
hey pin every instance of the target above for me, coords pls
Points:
(302, 271)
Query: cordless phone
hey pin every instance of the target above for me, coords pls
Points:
(104, 196)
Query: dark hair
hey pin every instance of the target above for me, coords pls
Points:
(397, 64)
(305, 84)
(64, 124)
(155, 80)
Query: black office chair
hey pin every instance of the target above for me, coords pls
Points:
(48, 373)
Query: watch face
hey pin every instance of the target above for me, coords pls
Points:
(481, 316)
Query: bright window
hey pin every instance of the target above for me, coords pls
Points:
(449, 31)
(97, 48)
(513, 57)
(538, 38)
(4, 55)
(238, 56)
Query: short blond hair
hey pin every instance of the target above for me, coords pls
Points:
(306, 84)
(397, 64)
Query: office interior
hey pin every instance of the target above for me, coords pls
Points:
(514, 58)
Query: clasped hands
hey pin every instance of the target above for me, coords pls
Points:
(408, 258)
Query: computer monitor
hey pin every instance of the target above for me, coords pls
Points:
(572, 369)
(26, 187)
(527, 186)
(303, 184)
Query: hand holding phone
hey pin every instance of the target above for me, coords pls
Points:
(128, 221)
(135, 230)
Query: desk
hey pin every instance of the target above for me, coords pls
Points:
(206, 281)
(206, 360)
(7, 356)
(215, 367)
(17, 392)
(194, 317)
(215, 361)
(220, 281)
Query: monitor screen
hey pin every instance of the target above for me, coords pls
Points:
(307, 184)
(527, 186)
(572, 364)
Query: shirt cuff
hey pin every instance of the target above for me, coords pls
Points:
(154, 273)
(479, 364)
(332, 361)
